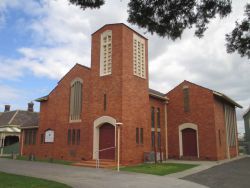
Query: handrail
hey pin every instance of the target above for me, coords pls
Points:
(97, 159)
(106, 149)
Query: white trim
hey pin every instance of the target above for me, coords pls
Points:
(185, 126)
(108, 70)
(97, 124)
(139, 56)
(166, 129)
(13, 117)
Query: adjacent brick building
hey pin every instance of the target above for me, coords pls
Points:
(201, 123)
(246, 117)
(80, 118)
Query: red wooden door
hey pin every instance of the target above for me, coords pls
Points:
(189, 142)
(107, 140)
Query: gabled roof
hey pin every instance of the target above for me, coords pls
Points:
(157, 94)
(216, 93)
(45, 98)
(19, 118)
(246, 112)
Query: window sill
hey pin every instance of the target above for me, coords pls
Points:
(75, 121)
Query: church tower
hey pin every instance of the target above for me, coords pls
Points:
(119, 84)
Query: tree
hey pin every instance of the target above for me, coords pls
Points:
(169, 18)
(239, 39)
(88, 3)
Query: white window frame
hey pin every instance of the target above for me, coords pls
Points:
(108, 57)
(139, 56)
(71, 118)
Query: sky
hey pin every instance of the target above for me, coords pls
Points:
(40, 40)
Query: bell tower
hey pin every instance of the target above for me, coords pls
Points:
(119, 84)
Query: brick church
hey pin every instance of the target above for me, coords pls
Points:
(81, 117)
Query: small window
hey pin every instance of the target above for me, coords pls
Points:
(158, 118)
(78, 136)
(186, 98)
(34, 137)
(69, 136)
(152, 139)
(73, 136)
(141, 135)
(152, 117)
(105, 102)
(159, 140)
(137, 135)
(30, 137)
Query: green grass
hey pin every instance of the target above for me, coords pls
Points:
(25, 158)
(158, 169)
(17, 181)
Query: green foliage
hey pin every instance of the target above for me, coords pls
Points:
(169, 18)
(11, 180)
(239, 39)
(158, 169)
(88, 3)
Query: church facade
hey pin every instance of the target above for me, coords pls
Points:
(94, 110)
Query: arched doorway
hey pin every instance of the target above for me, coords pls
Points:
(189, 142)
(107, 141)
(103, 124)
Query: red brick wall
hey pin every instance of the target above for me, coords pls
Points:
(220, 126)
(135, 102)
(54, 114)
(158, 103)
(201, 113)
(127, 102)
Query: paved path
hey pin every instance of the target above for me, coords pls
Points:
(80, 177)
(203, 165)
(235, 174)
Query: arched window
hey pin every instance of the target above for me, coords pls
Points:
(76, 100)
(106, 53)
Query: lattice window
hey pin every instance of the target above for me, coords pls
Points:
(139, 56)
(106, 53)
(76, 100)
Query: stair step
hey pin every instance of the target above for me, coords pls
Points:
(92, 163)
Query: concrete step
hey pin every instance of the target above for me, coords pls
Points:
(92, 163)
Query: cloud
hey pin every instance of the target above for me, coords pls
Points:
(61, 36)
(8, 93)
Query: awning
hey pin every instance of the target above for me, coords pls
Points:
(10, 130)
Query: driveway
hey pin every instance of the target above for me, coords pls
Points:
(80, 177)
(228, 175)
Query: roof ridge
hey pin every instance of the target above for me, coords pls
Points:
(13, 117)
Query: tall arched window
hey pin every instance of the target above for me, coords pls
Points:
(106, 53)
(76, 100)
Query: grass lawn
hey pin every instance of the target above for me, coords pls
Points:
(158, 169)
(42, 160)
(16, 181)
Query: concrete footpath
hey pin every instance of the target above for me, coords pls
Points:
(233, 174)
(81, 177)
(203, 165)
